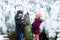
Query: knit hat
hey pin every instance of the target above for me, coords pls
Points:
(19, 12)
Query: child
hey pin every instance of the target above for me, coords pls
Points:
(35, 26)
(19, 24)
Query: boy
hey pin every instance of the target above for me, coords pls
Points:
(19, 24)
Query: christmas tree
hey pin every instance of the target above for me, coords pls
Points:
(27, 31)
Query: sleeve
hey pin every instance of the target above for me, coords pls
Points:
(34, 25)
(18, 21)
(41, 21)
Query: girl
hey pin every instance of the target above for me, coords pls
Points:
(35, 26)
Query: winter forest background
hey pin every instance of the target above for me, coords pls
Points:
(49, 9)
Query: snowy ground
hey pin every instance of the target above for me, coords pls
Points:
(4, 37)
(49, 9)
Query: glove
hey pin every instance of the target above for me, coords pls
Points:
(25, 23)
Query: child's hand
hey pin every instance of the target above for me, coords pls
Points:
(25, 23)
(25, 14)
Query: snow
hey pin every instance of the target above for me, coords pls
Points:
(2, 37)
(58, 38)
(50, 11)
(58, 35)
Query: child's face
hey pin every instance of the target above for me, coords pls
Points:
(20, 15)
(36, 17)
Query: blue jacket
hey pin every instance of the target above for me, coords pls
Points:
(19, 24)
